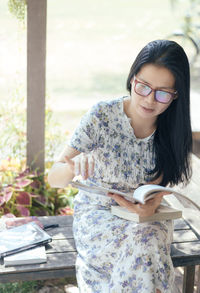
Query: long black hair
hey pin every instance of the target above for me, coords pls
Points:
(173, 136)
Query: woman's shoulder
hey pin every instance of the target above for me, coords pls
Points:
(114, 106)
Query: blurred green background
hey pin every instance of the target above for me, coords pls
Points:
(91, 45)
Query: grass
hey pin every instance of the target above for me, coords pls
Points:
(35, 286)
(21, 287)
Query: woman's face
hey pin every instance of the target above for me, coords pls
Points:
(156, 77)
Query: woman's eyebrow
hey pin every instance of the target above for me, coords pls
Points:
(158, 87)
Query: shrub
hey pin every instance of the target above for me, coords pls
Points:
(27, 193)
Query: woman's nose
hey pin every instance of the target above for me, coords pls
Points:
(151, 98)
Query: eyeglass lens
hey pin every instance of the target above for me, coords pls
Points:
(145, 90)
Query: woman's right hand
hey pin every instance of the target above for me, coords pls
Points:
(70, 164)
(81, 165)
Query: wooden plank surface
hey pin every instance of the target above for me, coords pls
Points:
(192, 190)
(61, 255)
(180, 224)
(61, 233)
(58, 265)
(55, 261)
(63, 221)
(61, 252)
(184, 236)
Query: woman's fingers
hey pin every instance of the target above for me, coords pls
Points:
(119, 199)
(133, 207)
(90, 166)
(157, 199)
(69, 161)
(76, 167)
(143, 210)
(84, 165)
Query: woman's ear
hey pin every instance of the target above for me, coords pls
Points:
(132, 80)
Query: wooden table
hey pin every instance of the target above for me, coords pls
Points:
(61, 254)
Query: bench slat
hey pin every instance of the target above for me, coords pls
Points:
(55, 261)
(184, 236)
(180, 224)
(54, 268)
(39, 275)
(63, 245)
(61, 233)
(185, 249)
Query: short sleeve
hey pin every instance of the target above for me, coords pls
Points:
(85, 136)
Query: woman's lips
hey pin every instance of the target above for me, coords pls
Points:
(149, 110)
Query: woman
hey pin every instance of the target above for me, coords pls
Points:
(145, 137)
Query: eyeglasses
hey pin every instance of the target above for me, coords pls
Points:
(160, 96)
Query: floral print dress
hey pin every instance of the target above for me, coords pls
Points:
(116, 255)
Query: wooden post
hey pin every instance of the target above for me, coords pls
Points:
(198, 280)
(36, 82)
(188, 279)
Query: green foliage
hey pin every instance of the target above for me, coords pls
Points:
(19, 287)
(13, 129)
(12, 132)
(24, 193)
(53, 136)
(17, 8)
(28, 193)
(190, 13)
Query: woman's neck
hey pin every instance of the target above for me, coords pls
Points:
(142, 130)
(142, 127)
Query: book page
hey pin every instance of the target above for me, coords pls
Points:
(100, 190)
(148, 191)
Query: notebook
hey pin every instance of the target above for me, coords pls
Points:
(22, 238)
(31, 256)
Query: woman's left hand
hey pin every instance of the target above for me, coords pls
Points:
(143, 210)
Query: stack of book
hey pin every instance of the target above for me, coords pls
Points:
(24, 244)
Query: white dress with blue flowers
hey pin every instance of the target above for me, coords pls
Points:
(116, 255)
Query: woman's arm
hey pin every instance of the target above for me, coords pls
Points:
(62, 171)
(70, 164)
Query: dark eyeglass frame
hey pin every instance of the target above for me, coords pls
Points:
(173, 95)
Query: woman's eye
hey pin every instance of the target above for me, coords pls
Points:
(144, 87)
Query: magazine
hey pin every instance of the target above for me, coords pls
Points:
(140, 195)
(21, 238)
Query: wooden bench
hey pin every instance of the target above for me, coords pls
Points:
(61, 252)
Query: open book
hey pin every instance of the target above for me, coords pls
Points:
(140, 195)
